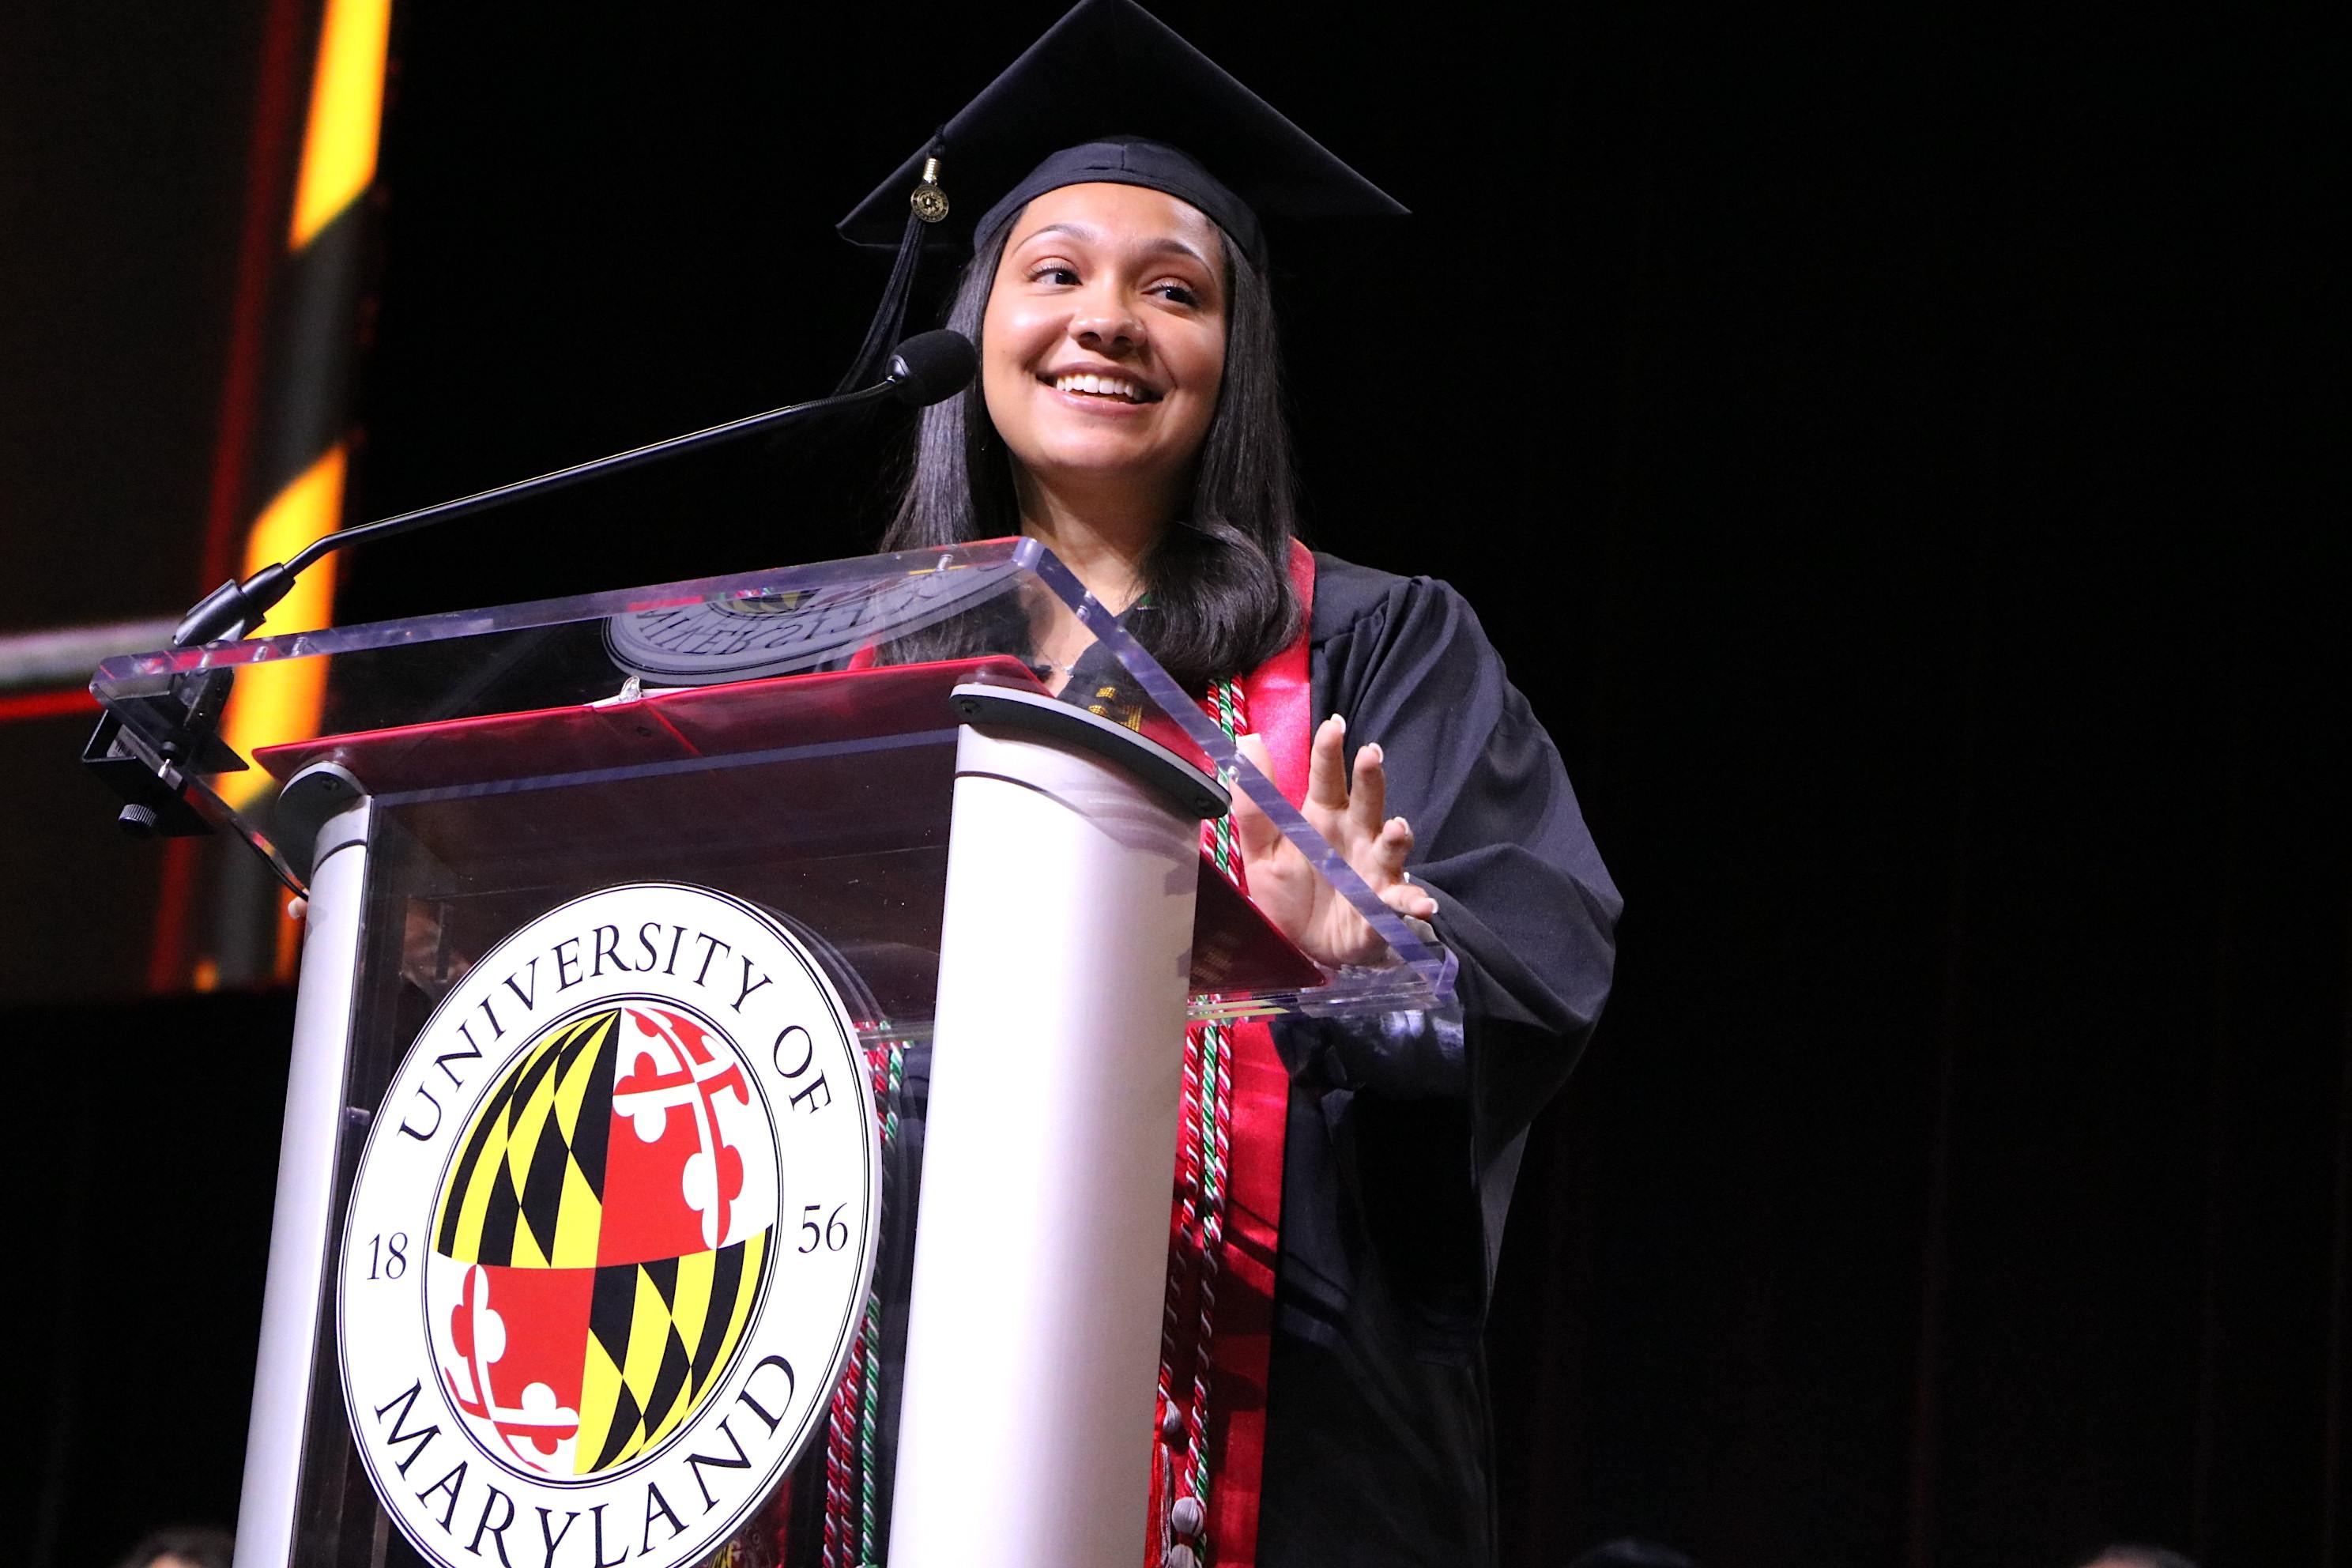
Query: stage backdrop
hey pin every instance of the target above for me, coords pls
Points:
(1890, 456)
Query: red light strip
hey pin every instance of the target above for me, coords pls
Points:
(45, 705)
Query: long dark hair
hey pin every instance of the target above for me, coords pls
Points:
(1218, 579)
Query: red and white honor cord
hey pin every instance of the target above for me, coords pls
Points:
(852, 1523)
(1183, 1461)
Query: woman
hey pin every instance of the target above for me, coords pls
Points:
(1107, 315)
(1127, 416)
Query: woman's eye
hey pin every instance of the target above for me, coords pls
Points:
(1054, 272)
(1178, 294)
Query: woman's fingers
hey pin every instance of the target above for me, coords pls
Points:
(1327, 767)
(1368, 799)
(1348, 807)
(1395, 888)
(1409, 899)
(1253, 749)
(1258, 834)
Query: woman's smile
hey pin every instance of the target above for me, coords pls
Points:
(1093, 386)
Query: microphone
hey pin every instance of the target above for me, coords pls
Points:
(153, 781)
(932, 367)
(928, 368)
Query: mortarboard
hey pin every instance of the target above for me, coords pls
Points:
(1110, 93)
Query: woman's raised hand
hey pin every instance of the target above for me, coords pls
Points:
(1351, 814)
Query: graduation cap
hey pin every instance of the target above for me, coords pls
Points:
(1111, 95)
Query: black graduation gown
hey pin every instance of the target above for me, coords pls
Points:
(1404, 1135)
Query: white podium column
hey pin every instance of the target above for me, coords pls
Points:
(1041, 1254)
(301, 1222)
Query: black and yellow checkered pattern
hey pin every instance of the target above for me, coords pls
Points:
(528, 1189)
(657, 1333)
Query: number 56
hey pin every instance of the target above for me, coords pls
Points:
(833, 1237)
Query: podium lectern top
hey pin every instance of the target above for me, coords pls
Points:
(725, 716)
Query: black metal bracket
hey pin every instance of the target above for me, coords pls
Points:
(151, 776)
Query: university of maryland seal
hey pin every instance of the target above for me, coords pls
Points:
(610, 1238)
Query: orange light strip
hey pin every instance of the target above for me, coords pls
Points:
(276, 703)
(346, 114)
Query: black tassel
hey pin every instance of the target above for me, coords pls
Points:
(890, 317)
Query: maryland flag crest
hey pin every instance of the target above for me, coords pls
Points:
(605, 1257)
(611, 1232)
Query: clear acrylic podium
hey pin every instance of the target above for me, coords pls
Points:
(958, 786)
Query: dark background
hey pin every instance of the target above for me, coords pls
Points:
(1898, 457)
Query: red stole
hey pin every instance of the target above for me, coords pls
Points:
(1278, 694)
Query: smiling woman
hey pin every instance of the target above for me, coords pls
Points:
(1338, 1192)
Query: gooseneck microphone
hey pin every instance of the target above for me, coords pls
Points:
(932, 367)
(154, 771)
(928, 368)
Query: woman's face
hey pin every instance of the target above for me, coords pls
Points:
(1103, 346)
